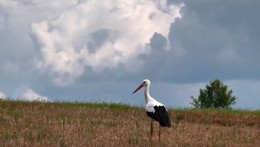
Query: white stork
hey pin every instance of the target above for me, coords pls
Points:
(154, 109)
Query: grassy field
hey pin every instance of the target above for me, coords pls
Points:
(90, 124)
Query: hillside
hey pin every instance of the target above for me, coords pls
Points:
(90, 124)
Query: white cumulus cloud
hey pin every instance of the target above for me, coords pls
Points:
(2, 95)
(31, 95)
(100, 35)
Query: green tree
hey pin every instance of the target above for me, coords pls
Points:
(215, 95)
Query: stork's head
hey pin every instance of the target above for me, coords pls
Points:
(145, 83)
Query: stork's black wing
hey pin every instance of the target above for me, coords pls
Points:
(160, 115)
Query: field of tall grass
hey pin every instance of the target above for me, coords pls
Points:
(102, 124)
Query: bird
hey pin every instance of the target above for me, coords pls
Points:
(154, 109)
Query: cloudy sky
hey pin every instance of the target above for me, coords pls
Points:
(88, 50)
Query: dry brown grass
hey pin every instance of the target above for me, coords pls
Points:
(64, 124)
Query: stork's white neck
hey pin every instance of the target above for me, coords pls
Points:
(147, 94)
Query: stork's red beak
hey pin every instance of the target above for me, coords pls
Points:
(139, 87)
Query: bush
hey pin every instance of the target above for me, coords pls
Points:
(215, 95)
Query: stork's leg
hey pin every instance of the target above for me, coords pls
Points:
(151, 131)
(159, 133)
